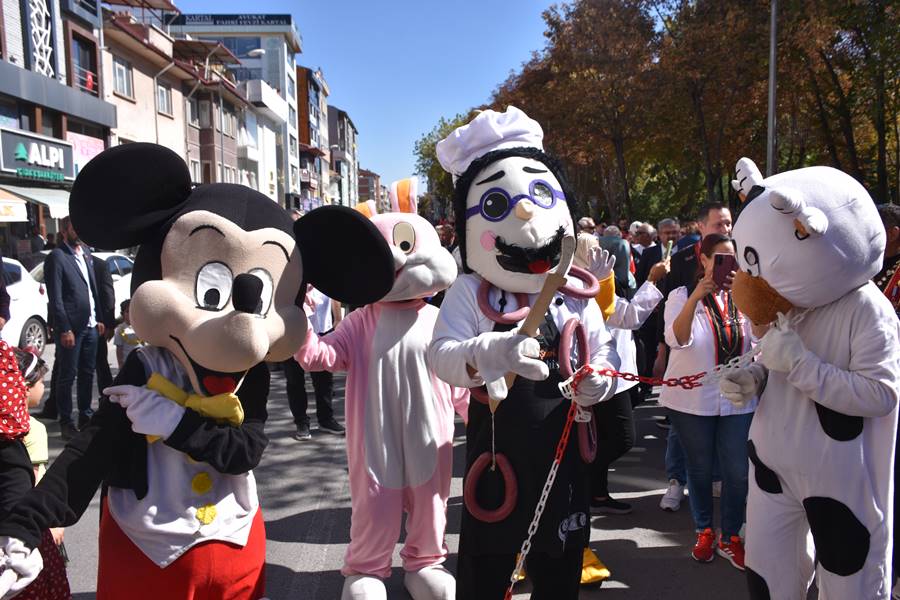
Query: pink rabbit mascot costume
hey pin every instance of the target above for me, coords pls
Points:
(399, 414)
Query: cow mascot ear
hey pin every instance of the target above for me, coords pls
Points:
(344, 255)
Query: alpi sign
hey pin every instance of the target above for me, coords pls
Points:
(32, 156)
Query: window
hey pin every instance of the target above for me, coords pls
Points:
(293, 146)
(239, 46)
(195, 170)
(84, 66)
(164, 99)
(205, 121)
(293, 175)
(193, 110)
(221, 173)
(123, 77)
(292, 90)
(292, 115)
(11, 273)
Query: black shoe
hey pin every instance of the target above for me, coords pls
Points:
(83, 422)
(609, 506)
(333, 427)
(302, 432)
(67, 431)
(664, 423)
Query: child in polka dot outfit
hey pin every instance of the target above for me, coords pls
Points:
(21, 383)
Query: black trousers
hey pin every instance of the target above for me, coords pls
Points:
(615, 437)
(486, 577)
(103, 372)
(323, 385)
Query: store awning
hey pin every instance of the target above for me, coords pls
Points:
(12, 208)
(56, 200)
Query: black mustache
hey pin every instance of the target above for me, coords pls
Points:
(549, 251)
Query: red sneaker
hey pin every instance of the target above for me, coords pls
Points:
(704, 549)
(732, 551)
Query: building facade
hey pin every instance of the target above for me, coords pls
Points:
(53, 116)
(369, 186)
(260, 137)
(342, 136)
(265, 46)
(312, 113)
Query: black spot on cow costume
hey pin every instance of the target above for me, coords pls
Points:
(821, 444)
(215, 294)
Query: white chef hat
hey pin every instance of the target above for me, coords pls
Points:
(490, 130)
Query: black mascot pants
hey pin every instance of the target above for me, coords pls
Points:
(486, 577)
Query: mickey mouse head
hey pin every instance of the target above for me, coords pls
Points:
(218, 277)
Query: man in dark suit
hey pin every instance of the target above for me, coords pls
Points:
(77, 315)
(108, 301)
(667, 230)
(4, 299)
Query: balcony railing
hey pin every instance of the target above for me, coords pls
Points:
(85, 80)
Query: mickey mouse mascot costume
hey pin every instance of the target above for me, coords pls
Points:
(821, 444)
(513, 209)
(215, 294)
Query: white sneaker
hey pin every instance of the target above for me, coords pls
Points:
(717, 489)
(671, 500)
(430, 583)
(363, 587)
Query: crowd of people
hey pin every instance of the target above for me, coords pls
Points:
(525, 355)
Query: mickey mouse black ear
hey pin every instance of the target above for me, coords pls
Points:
(344, 255)
(125, 193)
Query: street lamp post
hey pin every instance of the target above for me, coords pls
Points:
(773, 46)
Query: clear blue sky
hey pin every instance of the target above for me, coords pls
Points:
(397, 66)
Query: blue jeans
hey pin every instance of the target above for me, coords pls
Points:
(675, 458)
(80, 360)
(704, 438)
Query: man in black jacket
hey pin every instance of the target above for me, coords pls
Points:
(77, 314)
(108, 301)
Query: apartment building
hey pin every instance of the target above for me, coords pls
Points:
(265, 46)
(342, 135)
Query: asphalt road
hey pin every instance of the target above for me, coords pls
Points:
(303, 489)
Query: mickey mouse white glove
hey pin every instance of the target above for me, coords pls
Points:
(19, 566)
(594, 387)
(739, 386)
(150, 413)
(602, 263)
(781, 348)
(497, 353)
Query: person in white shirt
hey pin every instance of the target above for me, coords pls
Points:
(704, 329)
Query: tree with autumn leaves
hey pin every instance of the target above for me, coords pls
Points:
(649, 103)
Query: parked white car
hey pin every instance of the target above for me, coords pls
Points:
(120, 267)
(27, 325)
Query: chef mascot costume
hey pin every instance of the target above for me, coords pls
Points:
(513, 209)
(821, 444)
(399, 414)
(215, 293)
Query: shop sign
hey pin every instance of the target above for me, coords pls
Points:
(232, 20)
(32, 156)
(84, 148)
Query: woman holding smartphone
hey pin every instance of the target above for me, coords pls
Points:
(704, 328)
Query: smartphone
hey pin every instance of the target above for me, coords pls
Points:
(723, 266)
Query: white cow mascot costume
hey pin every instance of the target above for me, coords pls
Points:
(821, 444)
(513, 211)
